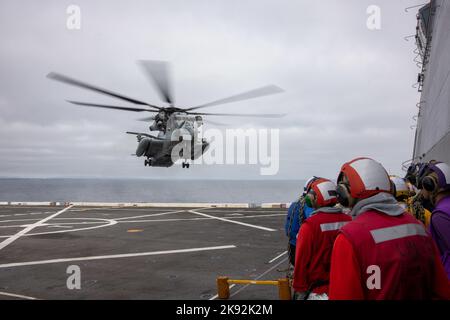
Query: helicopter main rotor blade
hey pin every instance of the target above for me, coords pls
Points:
(255, 93)
(253, 115)
(80, 84)
(158, 72)
(147, 118)
(110, 107)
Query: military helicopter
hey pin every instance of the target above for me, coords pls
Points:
(171, 122)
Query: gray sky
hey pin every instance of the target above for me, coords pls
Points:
(348, 88)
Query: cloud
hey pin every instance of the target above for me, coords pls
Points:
(348, 89)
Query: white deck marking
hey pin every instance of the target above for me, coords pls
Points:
(196, 219)
(58, 226)
(260, 216)
(113, 256)
(232, 221)
(19, 234)
(149, 215)
(277, 257)
(101, 221)
(16, 220)
(50, 225)
(24, 214)
(107, 223)
(16, 295)
(163, 220)
(214, 210)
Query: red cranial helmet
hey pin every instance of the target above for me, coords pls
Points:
(308, 183)
(362, 178)
(322, 192)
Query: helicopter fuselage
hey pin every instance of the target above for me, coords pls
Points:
(178, 141)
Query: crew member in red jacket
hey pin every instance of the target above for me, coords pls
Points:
(315, 241)
(384, 253)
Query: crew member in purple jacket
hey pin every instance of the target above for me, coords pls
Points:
(434, 182)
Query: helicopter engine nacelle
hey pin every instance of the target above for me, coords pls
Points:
(143, 145)
(149, 147)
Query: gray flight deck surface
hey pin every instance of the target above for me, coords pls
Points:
(139, 253)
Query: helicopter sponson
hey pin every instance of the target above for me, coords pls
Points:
(160, 153)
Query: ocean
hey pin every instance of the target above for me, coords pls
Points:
(139, 190)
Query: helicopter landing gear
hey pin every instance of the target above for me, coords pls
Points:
(185, 165)
(148, 162)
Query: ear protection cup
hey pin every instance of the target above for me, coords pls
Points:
(430, 184)
(310, 198)
(308, 201)
(343, 194)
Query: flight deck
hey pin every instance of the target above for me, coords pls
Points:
(123, 252)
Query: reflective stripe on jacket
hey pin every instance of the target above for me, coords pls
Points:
(397, 246)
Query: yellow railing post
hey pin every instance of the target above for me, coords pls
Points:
(223, 286)
(223, 289)
(284, 291)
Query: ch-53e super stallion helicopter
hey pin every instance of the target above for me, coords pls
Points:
(169, 120)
